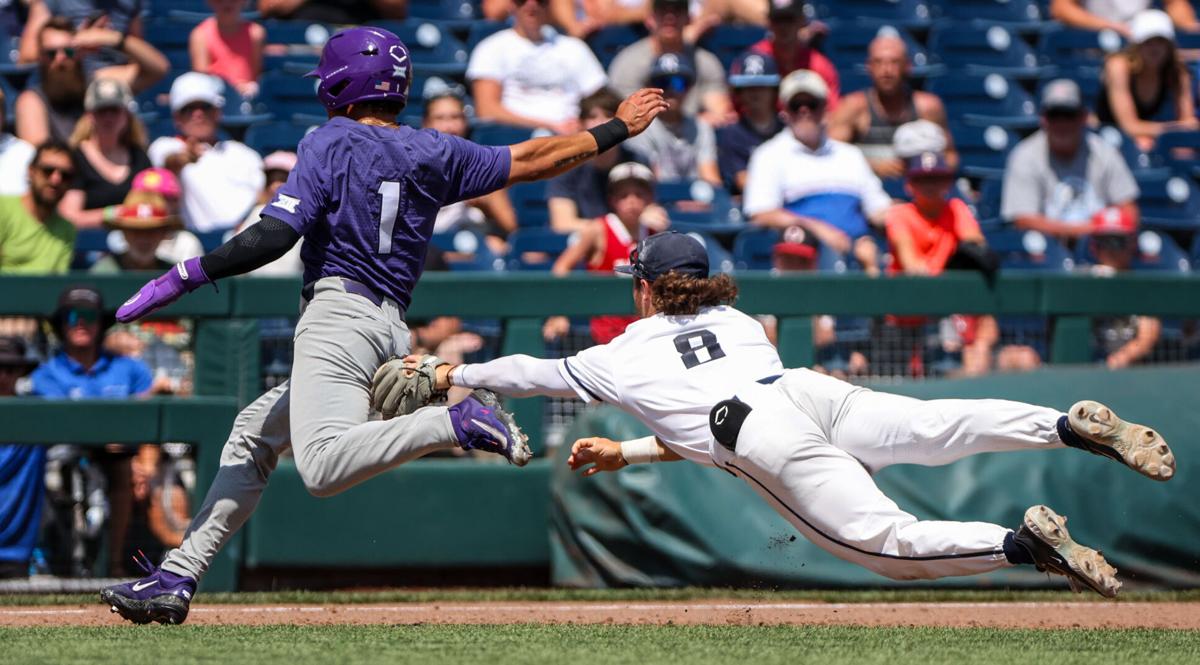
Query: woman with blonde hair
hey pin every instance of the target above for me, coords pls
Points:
(108, 148)
(1146, 89)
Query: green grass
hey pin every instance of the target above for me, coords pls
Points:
(490, 645)
(913, 595)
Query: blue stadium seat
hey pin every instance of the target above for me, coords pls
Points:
(434, 50)
(466, 250)
(982, 151)
(443, 11)
(912, 14)
(280, 135)
(529, 202)
(1169, 203)
(1180, 151)
(481, 30)
(298, 33)
(682, 198)
(752, 248)
(719, 259)
(727, 42)
(286, 95)
(488, 133)
(987, 207)
(1068, 47)
(846, 45)
(984, 50)
(1157, 252)
(1019, 15)
(985, 100)
(608, 41)
(1145, 165)
(535, 249)
(167, 34)
(1029, 250)
(1196, 250)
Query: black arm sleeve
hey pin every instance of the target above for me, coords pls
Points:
(253, 248)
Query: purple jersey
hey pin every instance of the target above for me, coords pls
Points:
(365, 197)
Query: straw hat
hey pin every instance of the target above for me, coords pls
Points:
(143, 211)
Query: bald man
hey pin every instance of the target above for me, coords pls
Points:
(868, 118)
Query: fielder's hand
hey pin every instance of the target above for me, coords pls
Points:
(639, 109)
(403, 386)
(603, 454)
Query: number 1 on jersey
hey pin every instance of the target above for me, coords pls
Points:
(387, 214)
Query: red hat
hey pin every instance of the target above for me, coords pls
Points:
(797, 242)
(1113, 221)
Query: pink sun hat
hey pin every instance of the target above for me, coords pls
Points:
(157, 180)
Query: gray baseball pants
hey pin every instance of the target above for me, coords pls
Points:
(322, 414)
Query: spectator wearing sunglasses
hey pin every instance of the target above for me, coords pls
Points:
(34, 238)
(803, 178)
(678, 146)
(1056, 180)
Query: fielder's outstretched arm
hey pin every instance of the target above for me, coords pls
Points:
(537, 159)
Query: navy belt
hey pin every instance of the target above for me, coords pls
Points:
(768, 380)
(351, 286)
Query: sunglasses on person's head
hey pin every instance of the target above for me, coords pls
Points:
(65, 174)
(52, 53)
(77, 316)
(805, 102)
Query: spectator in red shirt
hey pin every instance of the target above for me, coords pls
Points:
(789, 46)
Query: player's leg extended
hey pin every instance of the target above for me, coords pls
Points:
(342, 338)
(260, 433)
(882, 429)
(829, 497)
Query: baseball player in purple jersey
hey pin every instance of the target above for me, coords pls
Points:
(363, 195)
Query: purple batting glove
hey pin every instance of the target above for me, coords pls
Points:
(162, 291)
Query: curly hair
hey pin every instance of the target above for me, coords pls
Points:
(680, 295)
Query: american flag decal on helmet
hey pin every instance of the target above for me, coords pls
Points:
(385, 86)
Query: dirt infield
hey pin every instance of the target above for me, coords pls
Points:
(716, 612)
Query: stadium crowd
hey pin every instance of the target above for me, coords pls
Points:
(906, 137)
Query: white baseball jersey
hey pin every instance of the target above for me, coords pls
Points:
(670, 371)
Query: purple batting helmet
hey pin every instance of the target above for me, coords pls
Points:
(362, 64)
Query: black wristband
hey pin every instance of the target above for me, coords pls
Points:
(609, 134)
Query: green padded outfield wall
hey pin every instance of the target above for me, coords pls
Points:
(684, 524)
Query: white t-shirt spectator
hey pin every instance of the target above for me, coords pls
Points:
(833, 183)
(543, 80)
(15, 156)
(220, 188)
(1121, 11)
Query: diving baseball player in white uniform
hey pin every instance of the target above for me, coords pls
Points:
(704, 378)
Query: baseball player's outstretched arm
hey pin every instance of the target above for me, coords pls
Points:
(537, 159)
(608, 455)
(253, 248)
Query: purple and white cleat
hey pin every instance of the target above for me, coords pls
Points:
(161, 596)
(480, 423)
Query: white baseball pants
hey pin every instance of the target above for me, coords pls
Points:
(811, 442)
(321, 413)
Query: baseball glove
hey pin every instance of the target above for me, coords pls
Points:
(399, 389)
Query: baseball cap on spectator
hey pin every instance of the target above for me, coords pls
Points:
(672, 72)
(280, 160)
(802, 81)
(751, 70)
(631, 171)
(80, 298)
(785, 10)
(797, 242)
(157, 180)
(1151, 23)
(106, 94)
(928, 165)
(662, 253)
(196, 87)
(144, 211)
(1113, 221)
(1061, 96)
(13, 353)
(918, 136)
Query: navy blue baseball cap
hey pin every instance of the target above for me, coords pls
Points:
(754, 70)
(928, 164)
(666, 252)
(673, 72)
